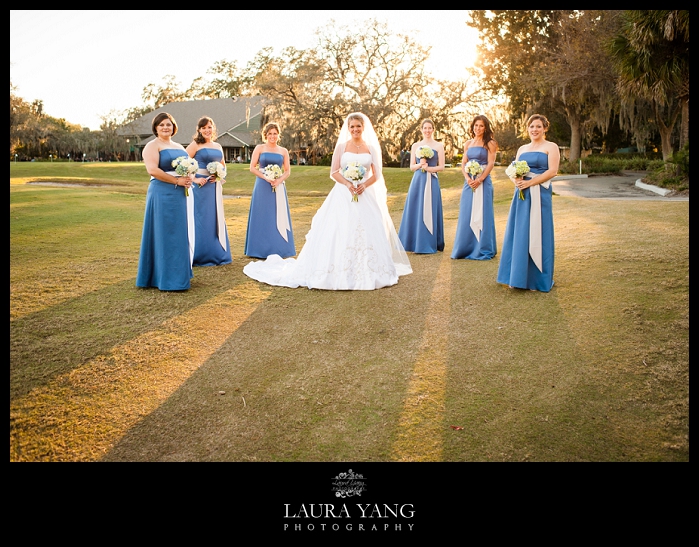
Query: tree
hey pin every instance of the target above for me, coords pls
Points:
(227, 81)
(552, 59)
(20, 114)
(159, 95)
(112, 145)
(375, 72)
(651, 53)
(294, 85)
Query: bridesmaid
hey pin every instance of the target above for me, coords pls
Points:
(527, 257)
(422, 226)
(269, 222)
(165, 259)
(211, 245)
(475, 229)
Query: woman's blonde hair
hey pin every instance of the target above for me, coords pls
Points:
(267, 127)
(357, 116)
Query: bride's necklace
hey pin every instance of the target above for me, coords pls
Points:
(358, 146)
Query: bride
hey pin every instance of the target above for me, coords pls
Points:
(352, 243)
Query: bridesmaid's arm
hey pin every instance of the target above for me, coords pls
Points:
(554, 155)
(151, 158)
(440, 164)
(254, 161)
(464, 160)
(414, 166)
(519, 153)
(192, 148)
(223, 161)
(492, 153)
(286, 168)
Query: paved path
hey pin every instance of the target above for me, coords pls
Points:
(610, 187)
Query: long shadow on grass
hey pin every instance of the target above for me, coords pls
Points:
(57, 340)
(309, 376)
(513, 368)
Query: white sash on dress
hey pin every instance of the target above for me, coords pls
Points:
(427, 203)
(282, 212)
(190, 220)
(220, 215)
(477, 212)
(535, 224)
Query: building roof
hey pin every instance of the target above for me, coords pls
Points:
(237, 120)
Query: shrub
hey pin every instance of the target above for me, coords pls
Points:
(681, 161)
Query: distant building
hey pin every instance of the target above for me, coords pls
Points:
(238, 122)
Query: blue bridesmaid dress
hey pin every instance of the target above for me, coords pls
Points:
(263, 237)
(516, 268)
(466, 244)
(208, 250)
(413, 232)
(164, 260)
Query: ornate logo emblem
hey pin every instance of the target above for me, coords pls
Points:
(346, 485)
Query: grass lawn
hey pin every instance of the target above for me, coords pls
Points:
(447, 365)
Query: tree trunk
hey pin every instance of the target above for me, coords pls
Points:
(665, 129)
(666, 141)
(684, 129)
(575, 138)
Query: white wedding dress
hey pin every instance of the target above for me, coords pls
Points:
(351, 245)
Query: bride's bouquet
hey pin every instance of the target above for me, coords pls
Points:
(184, 166)
(354, 172)
(425, 152)
(273, 171)
(516, 170)
(218, 170)
(473, 168)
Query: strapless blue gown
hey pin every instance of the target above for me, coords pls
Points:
(208, 250)
(263, 238)
(164, 260)
(516, 267)
(466, 245)
(413, 233)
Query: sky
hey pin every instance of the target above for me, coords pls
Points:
(88, 64)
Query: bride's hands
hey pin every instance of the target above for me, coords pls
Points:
(358, 190)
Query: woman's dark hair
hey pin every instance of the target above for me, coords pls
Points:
(487, 132)
(198, 137)
(159, 118)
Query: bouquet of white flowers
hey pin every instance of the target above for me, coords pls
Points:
(516, 170)
(273, 171)
(184, 165)
(218, 170)
(473, 168)
(354, 172)
(425, 152)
